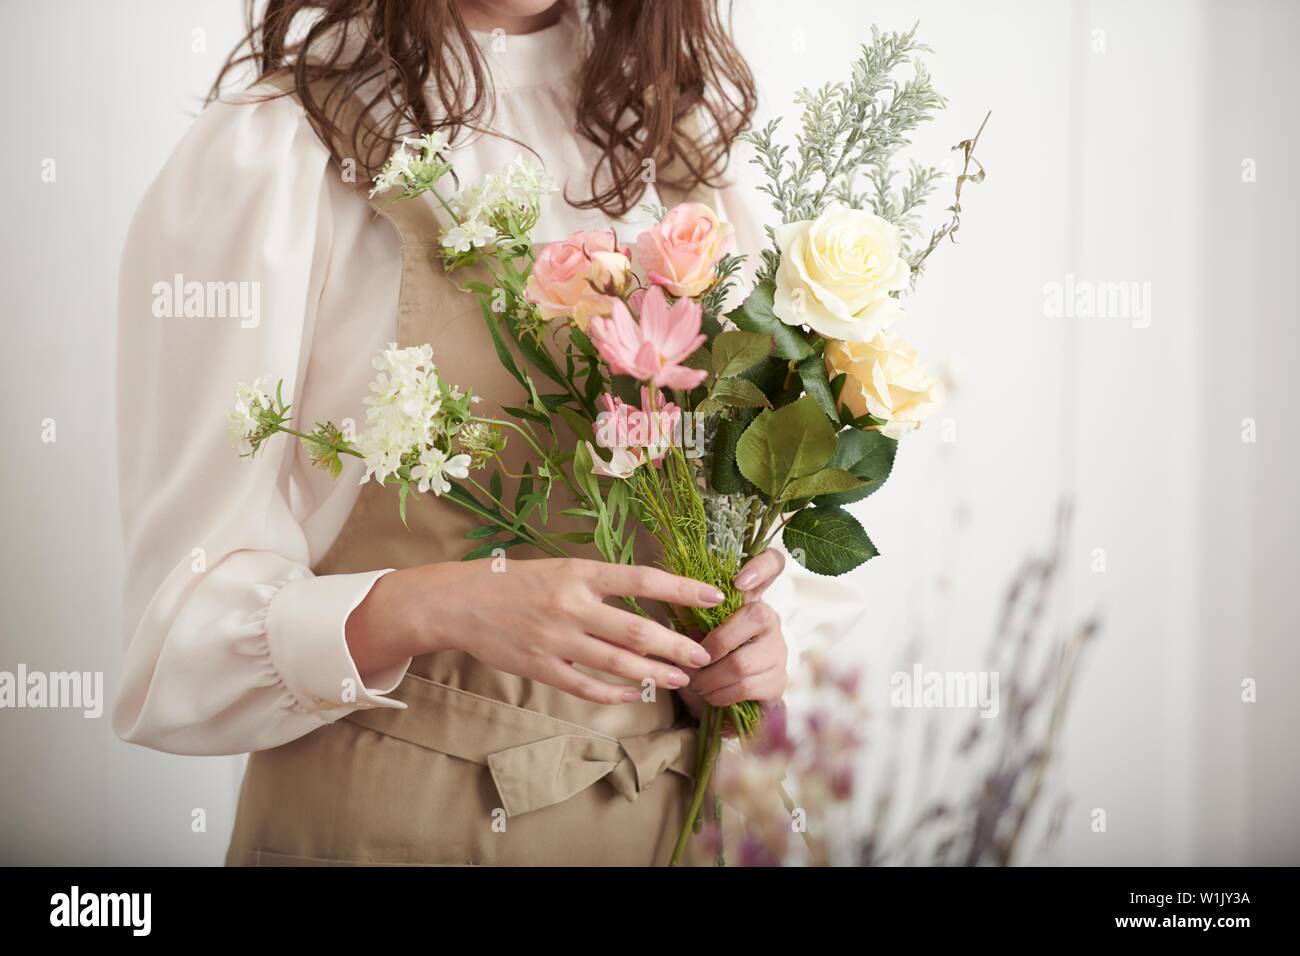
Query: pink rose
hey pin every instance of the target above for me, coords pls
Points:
(576, 277)
(681, 252)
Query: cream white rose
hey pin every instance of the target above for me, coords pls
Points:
(837, 272)
(884, 380)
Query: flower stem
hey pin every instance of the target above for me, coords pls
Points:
(525, 530)
(536, 447)
(702, 777)
(345, 449)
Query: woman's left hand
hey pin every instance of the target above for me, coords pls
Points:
(748, 649)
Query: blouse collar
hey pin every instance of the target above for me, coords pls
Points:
(542, 58)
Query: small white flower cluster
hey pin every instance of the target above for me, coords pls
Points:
(405, 418)
(434, 467)
(470, 234)
(415, 166)
(251, 403)
(504, 204)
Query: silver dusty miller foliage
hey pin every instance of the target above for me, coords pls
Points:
(847, 147)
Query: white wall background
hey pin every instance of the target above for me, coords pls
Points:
(1114, 165)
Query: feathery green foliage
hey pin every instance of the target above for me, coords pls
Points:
(849, 133)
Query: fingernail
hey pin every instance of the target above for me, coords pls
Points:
(678, 679)
(712, 595)
(631, 694)
(700, 657)
(745, 578)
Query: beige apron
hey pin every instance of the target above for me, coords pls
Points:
(482, 767)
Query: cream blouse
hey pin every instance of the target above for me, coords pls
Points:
(234, 644)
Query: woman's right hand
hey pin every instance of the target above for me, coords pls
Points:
(535, 619)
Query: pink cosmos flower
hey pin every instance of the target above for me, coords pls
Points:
(682, 250)
(654, 348)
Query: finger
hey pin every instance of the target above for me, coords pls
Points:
(748, 622)
(752, 659)
(610, 659)
(626, 580)
(769, 685)
(759, 573)
(640, 635)
(573, 681)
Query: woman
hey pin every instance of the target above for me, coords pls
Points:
(403, 706)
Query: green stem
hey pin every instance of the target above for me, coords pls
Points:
(444, 204)
(343, 449)
(761, 538)
(527, 436)
(721, 859)
(701, 786)
(533, 536)
(702, 738)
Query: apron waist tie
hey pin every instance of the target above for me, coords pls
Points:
(535, 760)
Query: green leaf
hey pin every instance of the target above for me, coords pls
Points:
(825, 482)
(403, 492)
(735, 351)
(783, 445)
(484, 531)
(812, 372)
(868, 455)
(604, 538)
(468, 501)
(725, 476)
(733, 393)
(769, 375)
(583, 475)
(579, 425)
(535, 352)
(489, 549)
(616, 501)
(577, 537)
(827, 541)
(494, 484)
(529, 413)
(701, 358)
(582, 341)
(755, 315)
(626, 388)
(503, 353)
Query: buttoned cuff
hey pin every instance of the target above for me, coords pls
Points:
(306, 632)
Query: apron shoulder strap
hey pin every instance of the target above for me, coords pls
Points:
(416, 222)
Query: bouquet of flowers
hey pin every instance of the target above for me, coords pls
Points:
(710, 431)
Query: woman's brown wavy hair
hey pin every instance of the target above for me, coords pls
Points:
(649, 64)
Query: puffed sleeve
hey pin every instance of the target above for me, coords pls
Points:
(233, 644)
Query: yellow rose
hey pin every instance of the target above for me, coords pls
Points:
(837, 272)
(884, 380)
